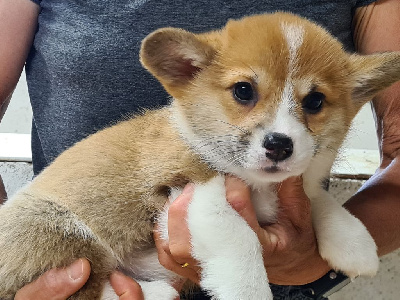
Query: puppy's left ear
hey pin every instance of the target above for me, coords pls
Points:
(373, 73)
(174, 56)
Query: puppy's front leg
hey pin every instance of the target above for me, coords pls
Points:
(226, 247)
(343, 240)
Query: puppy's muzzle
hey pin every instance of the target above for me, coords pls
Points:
(278, 146)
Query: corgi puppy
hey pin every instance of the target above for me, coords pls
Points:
(265, 98)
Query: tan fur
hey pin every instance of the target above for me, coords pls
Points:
(99, 198)
(113, 188)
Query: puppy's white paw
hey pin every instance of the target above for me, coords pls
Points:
(232, 267)
(156, 290)
(349, 248)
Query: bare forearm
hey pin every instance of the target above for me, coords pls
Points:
(377, 206)
(3, 105)
(18, 19)
(3, 194)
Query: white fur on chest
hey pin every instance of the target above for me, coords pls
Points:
(265, 202)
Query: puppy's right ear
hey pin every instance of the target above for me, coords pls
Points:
(174, 57)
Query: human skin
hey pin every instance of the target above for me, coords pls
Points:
(59, 284)
(16, 35)
(377, 204)
(292, 239)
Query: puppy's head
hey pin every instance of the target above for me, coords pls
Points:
(265, 95)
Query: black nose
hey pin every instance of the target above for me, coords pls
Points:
(279, 146)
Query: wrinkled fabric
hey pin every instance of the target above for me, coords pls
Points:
(83, 70)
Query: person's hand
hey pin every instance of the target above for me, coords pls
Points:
(290, 250)
(175, 254)
(125, 287)
(59, 284)
(291, 254)
(3, 194)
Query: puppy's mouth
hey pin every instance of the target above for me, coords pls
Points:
(272, 169)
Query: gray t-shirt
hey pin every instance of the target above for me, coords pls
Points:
(83, 70)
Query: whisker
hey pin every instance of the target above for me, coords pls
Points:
(255, 74)
(245, 131)
(339, 158)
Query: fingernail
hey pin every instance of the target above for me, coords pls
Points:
(239, 206)
(189, 188)
(298, 179)
(75, 270)
(117, 276)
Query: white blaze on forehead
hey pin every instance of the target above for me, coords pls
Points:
(285, 121)
(294, 35)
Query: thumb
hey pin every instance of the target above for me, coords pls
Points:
(57, 284)
(293, 200)
(238, 195)
(125, 287)
(291, 188)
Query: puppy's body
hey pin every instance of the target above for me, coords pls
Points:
(66, 213)
(266, 98)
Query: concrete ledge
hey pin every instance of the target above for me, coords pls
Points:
(356, 163)
(15, 147)
(15, 175)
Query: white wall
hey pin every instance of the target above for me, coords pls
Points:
(18, 117)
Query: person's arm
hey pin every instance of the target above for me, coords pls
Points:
(18, 22)
(377, 204)
(18, 19)
(3, 194)
(291, 256)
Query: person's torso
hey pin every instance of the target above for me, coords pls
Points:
(84, 72)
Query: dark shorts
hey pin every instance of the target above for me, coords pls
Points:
(280, 293)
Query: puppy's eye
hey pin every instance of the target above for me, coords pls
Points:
(243, 92)
(313, 102)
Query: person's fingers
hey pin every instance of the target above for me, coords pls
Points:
(295, 205)
(178, 231)
(295, 242)
(175, 254)
(57, 284)
(125, 287)
(292, 188)
(238, 195)
(168, 261)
